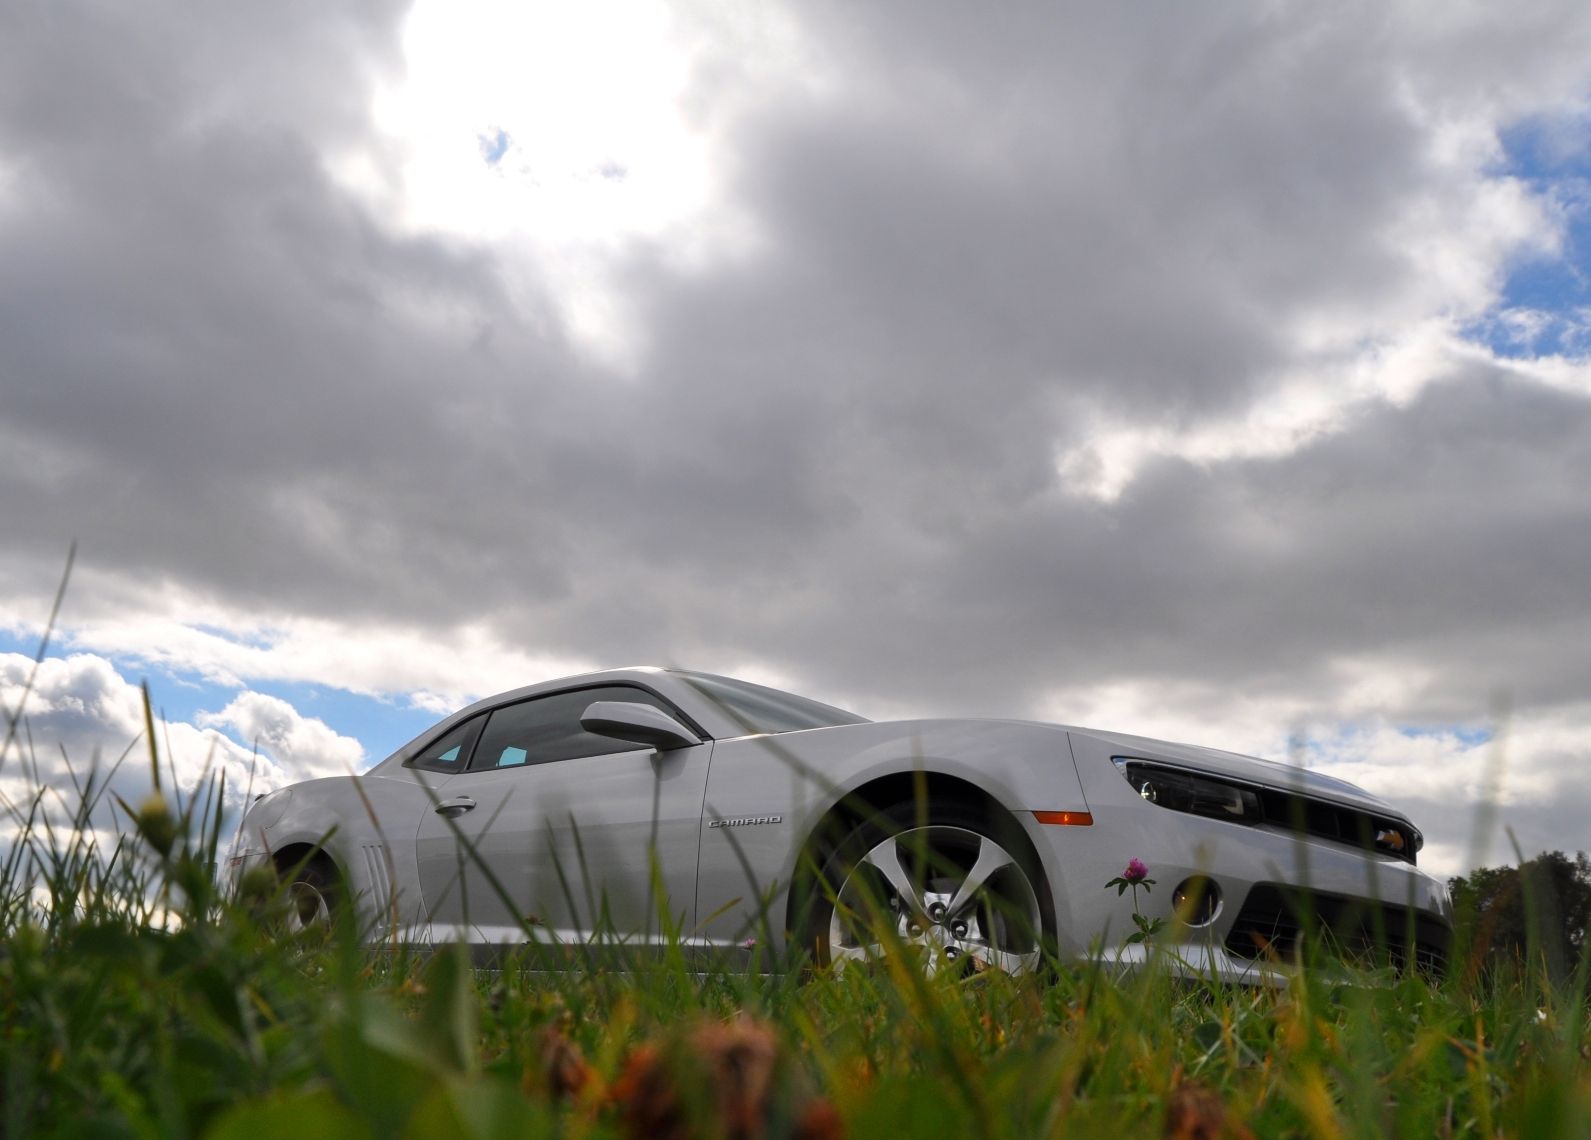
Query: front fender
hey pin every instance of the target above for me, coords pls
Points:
(1025, 766)
(801, 777)
(366, 824)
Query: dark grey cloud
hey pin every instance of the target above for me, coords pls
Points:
(227, 351)
(979, 236)
(1456, 519)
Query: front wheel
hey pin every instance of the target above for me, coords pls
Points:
(945, 891)
(313, 897)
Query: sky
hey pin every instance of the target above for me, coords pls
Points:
(1215, 372)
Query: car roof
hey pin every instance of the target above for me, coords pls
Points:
(668, 682)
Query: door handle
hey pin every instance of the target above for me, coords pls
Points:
(452, 809)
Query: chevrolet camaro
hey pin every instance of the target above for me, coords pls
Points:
(644, 806)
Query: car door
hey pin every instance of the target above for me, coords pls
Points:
(552, 826)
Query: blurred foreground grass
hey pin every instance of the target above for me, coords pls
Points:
(136, 1000)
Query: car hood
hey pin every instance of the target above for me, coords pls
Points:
(1271, 774)
(971, 737)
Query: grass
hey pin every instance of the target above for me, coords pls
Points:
(136, 1000)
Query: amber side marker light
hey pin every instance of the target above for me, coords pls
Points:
(1065, 818)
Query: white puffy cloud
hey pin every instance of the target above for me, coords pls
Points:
(80, 716)
(303, 747)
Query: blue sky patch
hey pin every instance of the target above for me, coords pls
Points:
(1468, 735)
(1545, 306)
(494, 145)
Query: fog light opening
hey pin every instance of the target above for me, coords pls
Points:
(1196, 900)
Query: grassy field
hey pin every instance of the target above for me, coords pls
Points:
(135, 1000)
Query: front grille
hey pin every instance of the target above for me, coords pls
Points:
(1326, 820)
(1274, 924)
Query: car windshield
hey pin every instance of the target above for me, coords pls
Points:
(759, 709)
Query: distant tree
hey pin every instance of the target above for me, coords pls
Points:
(1540, 908)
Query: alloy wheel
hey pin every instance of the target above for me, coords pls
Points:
(307, 907)
(955, 898)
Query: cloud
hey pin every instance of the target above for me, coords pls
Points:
(187, 637)
(77, 698)
(1033, 358)
(81, 743)
(303, 746)
(81, 717)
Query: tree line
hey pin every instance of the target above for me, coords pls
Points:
(1538, 911)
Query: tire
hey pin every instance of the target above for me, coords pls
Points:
(951, 889)
(313, 896)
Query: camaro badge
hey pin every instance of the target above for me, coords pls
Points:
(746, 821)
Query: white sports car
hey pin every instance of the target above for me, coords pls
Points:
(641, 805)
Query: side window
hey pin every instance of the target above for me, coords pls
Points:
(449, 752)
(544, 729)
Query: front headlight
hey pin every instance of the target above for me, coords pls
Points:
(1196, 795)
(1215, 798)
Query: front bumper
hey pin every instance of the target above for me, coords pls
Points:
(1275, 894)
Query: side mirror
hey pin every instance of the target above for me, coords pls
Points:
(639, 723)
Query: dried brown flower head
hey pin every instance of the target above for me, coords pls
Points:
(1194, 1112)
(730, 1080)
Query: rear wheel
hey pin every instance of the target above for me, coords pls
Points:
(953, 891)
